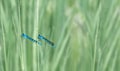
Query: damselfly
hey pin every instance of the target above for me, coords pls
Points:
(27, 37)
(43, 38)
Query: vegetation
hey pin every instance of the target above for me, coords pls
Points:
(86, 34)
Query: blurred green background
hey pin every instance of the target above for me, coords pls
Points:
(86, 34)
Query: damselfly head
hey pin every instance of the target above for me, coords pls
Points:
(40, 37)
(24, 35)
